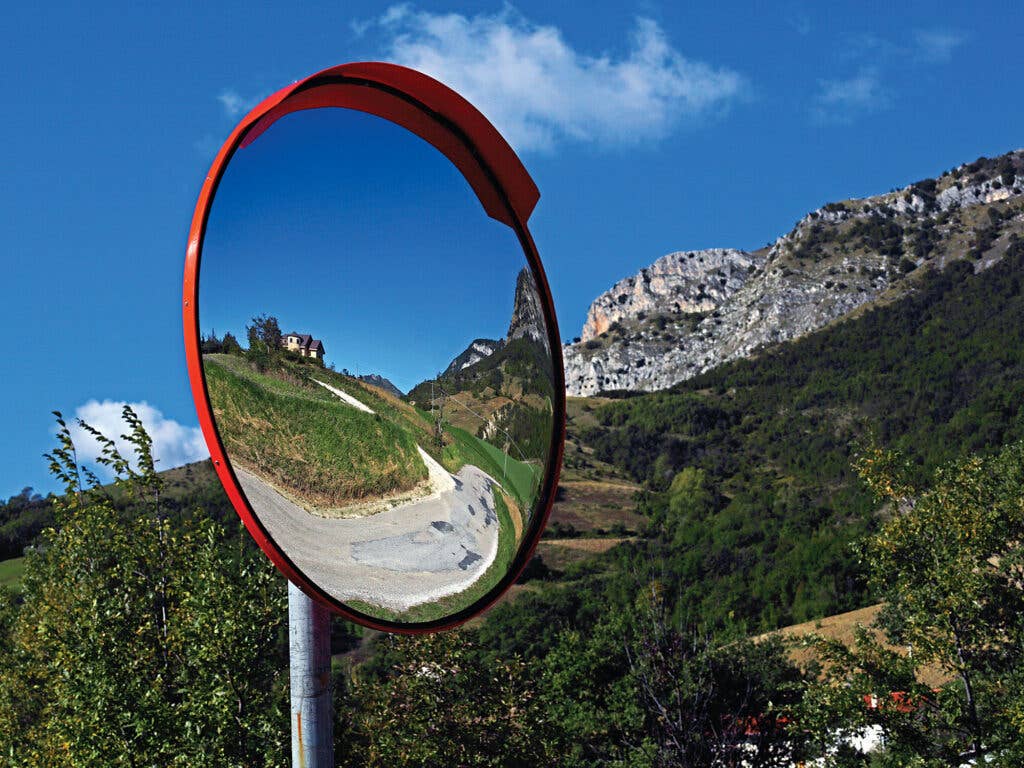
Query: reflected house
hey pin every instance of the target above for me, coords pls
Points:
(304, 344)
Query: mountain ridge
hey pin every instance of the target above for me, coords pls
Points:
(525, 322)
(477, 350)
(381, 382)
(691, 311)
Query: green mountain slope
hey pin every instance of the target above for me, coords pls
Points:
(520, 479)
(937, 374)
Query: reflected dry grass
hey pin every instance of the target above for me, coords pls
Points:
(323, 452)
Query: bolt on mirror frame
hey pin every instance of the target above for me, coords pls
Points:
(441, 117)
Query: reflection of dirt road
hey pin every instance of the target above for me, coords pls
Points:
(414, 553)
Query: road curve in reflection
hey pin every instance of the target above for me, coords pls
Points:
(413, 553)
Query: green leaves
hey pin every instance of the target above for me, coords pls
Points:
(140, 642)
(441, 703)
(948, 565)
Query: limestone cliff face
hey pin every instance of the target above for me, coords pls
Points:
(692, 311)
(684, 282)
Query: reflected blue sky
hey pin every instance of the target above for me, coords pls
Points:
(350, 228)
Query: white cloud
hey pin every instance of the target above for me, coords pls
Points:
(538, 90)
(173, 444)
(842, 100)
(800, 23)
(235, 104)
(934, 45)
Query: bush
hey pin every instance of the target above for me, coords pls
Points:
(137, 642)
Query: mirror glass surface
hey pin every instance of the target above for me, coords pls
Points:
(377, 362)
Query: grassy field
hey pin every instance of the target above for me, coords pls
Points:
(446, 606)
(11, 571)
(594, 498)
(301, 438)
(559, 554)
(842, 627)
(395, 410)
(595, 508)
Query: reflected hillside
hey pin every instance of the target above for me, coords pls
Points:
(403, 507)
(501, 392)
(278, 421)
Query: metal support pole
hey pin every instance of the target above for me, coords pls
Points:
(309, 642)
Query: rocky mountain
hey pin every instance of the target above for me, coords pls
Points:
(477, 350)
(685, 283)
(376, 380)
(691, 311)
(526, 322)
(501, 390)
(527, 317)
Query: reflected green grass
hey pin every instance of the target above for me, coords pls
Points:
(298, 436)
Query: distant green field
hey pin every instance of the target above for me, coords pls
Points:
(520, 479)
(11, 571)
(299, 436)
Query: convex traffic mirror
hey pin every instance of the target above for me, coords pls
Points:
(372, 346)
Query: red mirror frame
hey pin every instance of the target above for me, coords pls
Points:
(452, 125)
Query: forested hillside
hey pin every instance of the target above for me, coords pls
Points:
(748, 500)
(768, 441)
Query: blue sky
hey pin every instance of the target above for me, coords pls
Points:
(649, 127)
(346, 226)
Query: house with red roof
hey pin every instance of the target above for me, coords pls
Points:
(304, 344)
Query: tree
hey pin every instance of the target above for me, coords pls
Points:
(230, 345)
(586, 688)
(139, 642)
(949, 566)
(264, 334)
(712, 701)
(637, 689)
(688, 493)
(439, 702)
(210, 344)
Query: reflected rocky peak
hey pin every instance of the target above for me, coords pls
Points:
(527, 316)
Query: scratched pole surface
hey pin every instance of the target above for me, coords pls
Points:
(309, 640)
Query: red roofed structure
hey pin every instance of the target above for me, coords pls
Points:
(304, 344)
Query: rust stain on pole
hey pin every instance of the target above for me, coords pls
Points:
(298, 737)
(309, 641)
